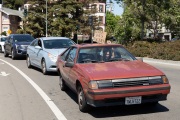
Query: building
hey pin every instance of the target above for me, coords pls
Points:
(10, 20)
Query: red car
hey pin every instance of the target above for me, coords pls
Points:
(108, 75)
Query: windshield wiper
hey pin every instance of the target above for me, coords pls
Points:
(118, 59)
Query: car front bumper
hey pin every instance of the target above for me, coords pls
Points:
(116, 96)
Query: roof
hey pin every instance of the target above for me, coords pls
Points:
(12, 12)
(96, 45)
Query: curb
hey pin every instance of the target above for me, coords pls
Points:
(165, 62)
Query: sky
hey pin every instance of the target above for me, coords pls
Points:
(116, 9)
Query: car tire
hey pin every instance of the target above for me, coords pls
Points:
(12, 55)
(83, 106)
(0, 49)
(28, 62)
(62, 84)
(5, 53)
(43, 65)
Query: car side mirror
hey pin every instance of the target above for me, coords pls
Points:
(140, 58)
(38, 47)
(69, 64)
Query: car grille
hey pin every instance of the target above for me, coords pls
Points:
(137, 82)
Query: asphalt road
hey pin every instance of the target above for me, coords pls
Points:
(27, 94)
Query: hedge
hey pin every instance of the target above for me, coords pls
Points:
(165, 50)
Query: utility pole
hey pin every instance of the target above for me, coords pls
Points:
(46, 18)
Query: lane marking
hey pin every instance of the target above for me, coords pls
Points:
(49, 102)
(4, 74)
(161, 63)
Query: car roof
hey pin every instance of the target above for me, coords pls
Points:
(95, 45)
(50, 38)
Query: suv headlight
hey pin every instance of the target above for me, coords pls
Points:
(19, 47)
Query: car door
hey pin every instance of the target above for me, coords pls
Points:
(31, 51)
(70, 71)
(39, 52)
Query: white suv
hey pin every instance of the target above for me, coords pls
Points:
(2, 41)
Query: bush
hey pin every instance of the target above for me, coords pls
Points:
(165, 50)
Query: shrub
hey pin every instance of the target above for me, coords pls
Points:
(165, 50)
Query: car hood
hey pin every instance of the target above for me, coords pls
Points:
(55, 52)
(120, 69)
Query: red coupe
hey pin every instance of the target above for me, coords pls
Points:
(107, 75)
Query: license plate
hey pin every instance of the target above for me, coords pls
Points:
(133, 100)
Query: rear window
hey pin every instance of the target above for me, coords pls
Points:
(23, 38)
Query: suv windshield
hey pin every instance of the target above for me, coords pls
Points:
(23, 38)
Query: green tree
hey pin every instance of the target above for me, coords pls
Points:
(13, 4)
(63, 18)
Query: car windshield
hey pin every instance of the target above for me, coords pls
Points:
(104, 54)
(23, 38)
(3, 39)
(57, 43)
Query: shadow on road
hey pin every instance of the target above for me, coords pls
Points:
(113, 111)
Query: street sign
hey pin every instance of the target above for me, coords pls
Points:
(9, 31)
(100, 36)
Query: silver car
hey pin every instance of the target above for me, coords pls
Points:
(43, 52)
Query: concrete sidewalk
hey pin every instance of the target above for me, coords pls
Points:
(167, 62)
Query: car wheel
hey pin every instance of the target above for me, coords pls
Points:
(0, 49)
(83, 106)
(12, 55)
(5, 53)
(28, 62)
(44, 70)
(62, 84)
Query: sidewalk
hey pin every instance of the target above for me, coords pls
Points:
(167, 62)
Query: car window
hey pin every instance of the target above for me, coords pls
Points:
(63, 56)
(3, 39)
(72, 54)
(33, 42)
(23, 38)
(57, 43)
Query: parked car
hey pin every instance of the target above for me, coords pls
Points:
(108, 75)
(16, 45)
(2, 41)
(43, 52)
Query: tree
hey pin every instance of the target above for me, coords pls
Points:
(63, 17)
(13, 4)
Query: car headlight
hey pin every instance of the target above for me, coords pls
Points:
(165, 80)
(52, 57)
(100, 84)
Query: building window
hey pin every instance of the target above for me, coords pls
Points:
(101, 8)
(100, 19)
(5, 29)
(93, 7)
(5, 17)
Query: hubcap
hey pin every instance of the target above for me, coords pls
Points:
(44, 66)
(80, 97)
